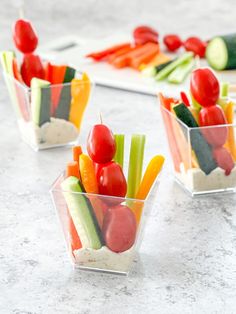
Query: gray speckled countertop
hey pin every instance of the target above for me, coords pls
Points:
(188, 255)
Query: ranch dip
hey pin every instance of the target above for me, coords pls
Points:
(196, 180)
(104, 259)
(55, 132)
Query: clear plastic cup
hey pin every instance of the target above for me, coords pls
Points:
(99, 253)
(49, 116)
(194, 160)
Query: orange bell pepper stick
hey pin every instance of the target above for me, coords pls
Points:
(89, 181)
(230, 144)
(87, 172)
(153, 169)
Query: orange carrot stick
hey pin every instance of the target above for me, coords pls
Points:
(230, 144)
(76, 152)
(72, 169)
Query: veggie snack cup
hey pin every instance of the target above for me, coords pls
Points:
(199, 167)
(49, 115)
(102, 233)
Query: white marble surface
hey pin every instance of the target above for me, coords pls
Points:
(188, 255)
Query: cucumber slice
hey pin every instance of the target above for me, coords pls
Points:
(82, 214)
(63, 108)
(69, 75)
(40, 101)
(181, 72)
(201, 148)
(135, 164)
(221, 52)
(170, 67)
(120, 142)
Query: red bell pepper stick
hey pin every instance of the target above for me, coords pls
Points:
(100, 55)
(185, 99)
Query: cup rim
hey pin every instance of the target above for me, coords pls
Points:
(53, 188)
(197, 127)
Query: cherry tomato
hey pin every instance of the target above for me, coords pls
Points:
(196, 45)
(119, 228)
(210, 116)
(224, 159)
(31, 67)
(24, 36)
(111, 180)
(101, 145)
(172, 42)
(144, 34)
(204, 87)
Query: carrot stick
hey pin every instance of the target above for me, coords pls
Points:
(145, 57)
(72, 169)
(125, 59)
(76, 151)
(155, 61)
(230, 144)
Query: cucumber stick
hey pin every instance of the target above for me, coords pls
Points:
(40, 101)
(135, 164)
(120, 142)
(169, 68)
(221, 52)
(153, 70)
(82, 214)
(180, 73)
(201, 148)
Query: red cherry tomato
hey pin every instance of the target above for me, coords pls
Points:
(144, 34)
(172, 42)
(196, 45)
(224, 159)
(24, 36)
(204, 87)
(210, 116)
(119, 228)
(101, 145)
(111, 181)
(31, 67)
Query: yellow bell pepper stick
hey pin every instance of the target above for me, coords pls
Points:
(153, 169)
(80, 92)
(230, 144)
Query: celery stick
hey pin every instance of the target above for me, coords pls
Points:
(135, 164)
(180, 73)
(224, 89)
(169, 68)
(120, 142)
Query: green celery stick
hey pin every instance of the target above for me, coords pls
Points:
(169, 68)
(120, 142)
(224, 89)
(180, 73)
(135, 164)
